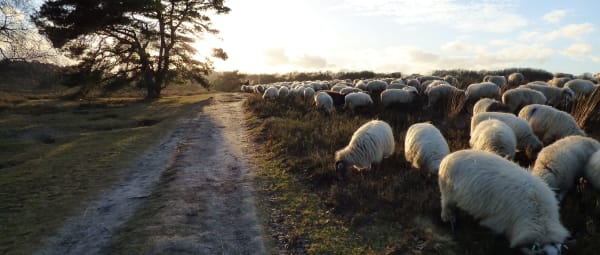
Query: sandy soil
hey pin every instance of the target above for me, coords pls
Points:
(205, 179)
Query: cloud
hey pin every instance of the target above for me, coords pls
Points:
(422, 56)
(572, 31)
(310, 62)
(596, 59)
(498, 16)
(554, 17)
(577, 50)
(275, 56)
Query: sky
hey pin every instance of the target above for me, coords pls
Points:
(408, 36)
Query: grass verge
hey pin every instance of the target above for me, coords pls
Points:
(56, 156)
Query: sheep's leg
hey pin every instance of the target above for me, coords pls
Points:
(448, 211)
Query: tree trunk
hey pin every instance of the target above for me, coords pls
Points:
(153, 89)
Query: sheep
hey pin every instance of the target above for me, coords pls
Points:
(591, 171)
(270, 93)
(425, 78)
(476, 91)
(346, 91)
(354, 100)
(580, 87)
(488, 105)
(398, 96)
(338, 98)
(561, 163)
(548, 123)
(438, 94)
(323, 102)
(413, 83)
(338, 87)
(309, 92)
(496, 79)
(555, 96)
(515, 79)
(370, 143)
(527, 141)
(376, 86)
(283, 92)
(395, 86)
(361, 85)
(494, 136)
(425, 147)
(559, 82)
(451, 80)
(517, 98)
(504, 197)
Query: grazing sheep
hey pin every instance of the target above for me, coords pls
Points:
(376, 86)
(398, 97)
(354, 100)
(413, 83)
(395, 86)
(270, 93)
(548, 123)
(488, 105)
(515, 79)
(517, 98)
(527, 141)
(362, 85)
(591, 171)
(338, 98)
(561, 163)
(504, 197)
(494, 136)
(283, 92)
(346, 91)
(370, 143)
(451, 80)
(555, 96)
(338, 87)
(425, 78)
(580, 87)
(496, 79)
(439, 94)
(477, 91)
(308, 93)
(559, 82)
(425, 147)
(324, 102)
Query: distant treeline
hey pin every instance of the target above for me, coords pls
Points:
(36, 76)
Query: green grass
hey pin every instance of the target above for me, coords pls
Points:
(392, 210)
(56, 156)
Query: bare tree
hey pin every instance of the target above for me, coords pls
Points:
(19, 39)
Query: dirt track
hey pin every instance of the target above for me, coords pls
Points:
(204, 181)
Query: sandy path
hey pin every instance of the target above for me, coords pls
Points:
(205, 189)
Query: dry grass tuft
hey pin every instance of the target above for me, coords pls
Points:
(586, 107)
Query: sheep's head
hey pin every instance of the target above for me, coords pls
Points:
(546, 249)
(340, 169)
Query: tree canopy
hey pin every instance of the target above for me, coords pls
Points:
(145, 41)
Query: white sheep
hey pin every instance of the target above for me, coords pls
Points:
(559, 82)
(438, 94)
(451, 80)
(361, 84)
(270, 93)
(548, 123)
(413, 83)
(476, 91)
(376, 86)
(308, 93)
(283, 92)
(591, 171)
(555, 96)
(323, 101)
(346, 91)
(354, 100)
(561, 163)
(580, 87)
(497, 79)
(398, 97)
(488, 105)
(516, 79)
(370, 143)
(505, 197)
(517, 98)
(527, 141)
(395, 86)
(494, 136)
(425, 147)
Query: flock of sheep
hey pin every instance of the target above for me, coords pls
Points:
(521, 203)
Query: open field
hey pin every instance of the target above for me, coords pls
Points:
(393, 210)
(55, 156)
